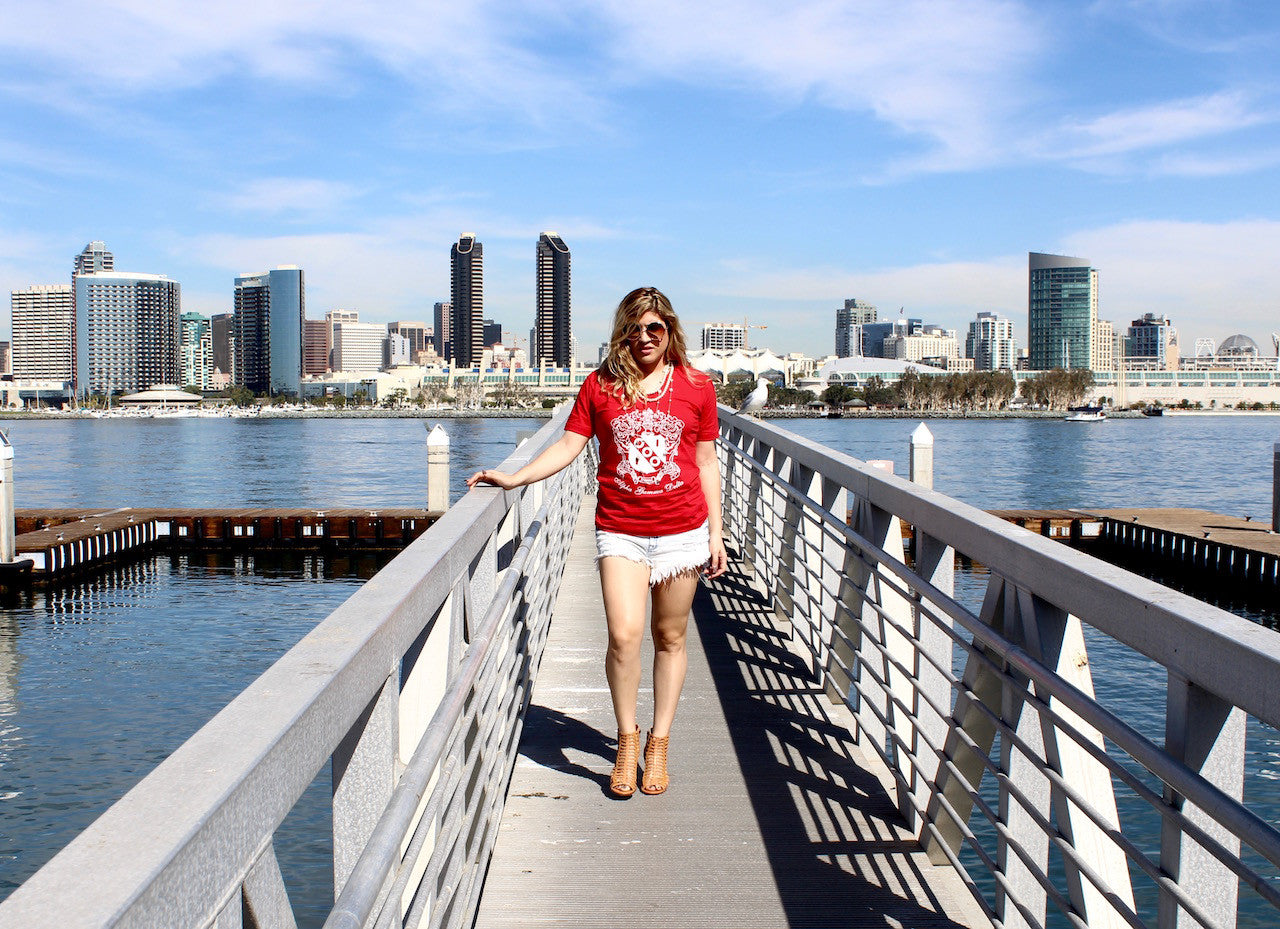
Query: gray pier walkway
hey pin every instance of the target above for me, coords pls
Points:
(774, 817)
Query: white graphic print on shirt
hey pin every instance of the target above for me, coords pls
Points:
(647, 441)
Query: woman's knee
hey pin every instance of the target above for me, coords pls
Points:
(670, 637)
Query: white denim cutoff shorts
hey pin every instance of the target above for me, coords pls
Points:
(666, 555)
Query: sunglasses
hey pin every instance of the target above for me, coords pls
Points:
(655, 331)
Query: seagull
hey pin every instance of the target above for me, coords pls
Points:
(756, 399)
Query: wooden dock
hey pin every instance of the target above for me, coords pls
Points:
(774, 817)
(55, 543)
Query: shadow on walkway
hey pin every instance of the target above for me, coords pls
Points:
(837, 846)
(549, 736)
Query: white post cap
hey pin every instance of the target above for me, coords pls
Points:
(922, 435)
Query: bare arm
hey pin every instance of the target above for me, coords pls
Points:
(709, 473)
(556, 458)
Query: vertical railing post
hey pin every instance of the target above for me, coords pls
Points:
(6, 500)
(438, 470)
(1207, 734)
(936, 564)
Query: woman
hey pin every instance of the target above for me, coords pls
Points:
(658, 519)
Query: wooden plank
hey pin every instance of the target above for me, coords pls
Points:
(1202, 524)
(773, 817)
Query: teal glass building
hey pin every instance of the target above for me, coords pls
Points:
(269, 312)
(1062, 311)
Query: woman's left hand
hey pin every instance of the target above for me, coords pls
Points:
(718, 563)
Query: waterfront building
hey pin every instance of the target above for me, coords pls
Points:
(849, 322)
(127, 331)
(358, 346)
(418, 334)
(195, 341)
(443, 335)
(43, 332)
(723, 337)
(990, 343)
(1152, 342)
(553, 339)
(332, 319)
(395, 350)
(93, 258)
(1107, 346)
(874, 334)
(270, 308)
(466, 275)
(6, 358)
(929, 342)
(315, 347)
(492, 333)
(1062, 311)
(223, 329)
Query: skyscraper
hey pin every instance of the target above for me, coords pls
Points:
(1062, 311)
(92, 259)
(552, 323)
(1153, 343)
(467, 280)
(224, 343)
(196, 343)
(127, 331)
(443, 335)
(990, 343)
(415, 332)
(43, 327)
(849, 322)
(332, 320)
(270, 308)
(315, 347)
(723, 336)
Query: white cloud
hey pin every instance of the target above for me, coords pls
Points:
(288, 195)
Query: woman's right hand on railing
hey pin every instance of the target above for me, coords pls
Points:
(496, 478)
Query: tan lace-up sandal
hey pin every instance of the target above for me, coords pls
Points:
(622, 782)
(655, 779)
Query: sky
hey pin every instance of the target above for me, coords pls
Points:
(758, 161)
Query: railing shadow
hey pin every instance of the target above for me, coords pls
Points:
(549, 736)
(838, 847)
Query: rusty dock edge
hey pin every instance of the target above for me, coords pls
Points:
(53, 544)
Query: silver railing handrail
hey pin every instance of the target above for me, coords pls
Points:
(192, 843)
(822, 532)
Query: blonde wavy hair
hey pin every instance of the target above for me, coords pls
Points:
(619, 372)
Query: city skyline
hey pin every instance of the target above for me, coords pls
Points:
(809, 154)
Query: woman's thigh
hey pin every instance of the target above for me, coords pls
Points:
(672, 601)
(625, 586)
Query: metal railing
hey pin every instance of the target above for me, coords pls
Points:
(1005, 763)
(415, 690)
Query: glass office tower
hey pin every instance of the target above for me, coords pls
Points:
(269, 311)
(1062, 311)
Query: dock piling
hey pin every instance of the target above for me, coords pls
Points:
(438, 470)
(922, 456)
(1275, 490)
(7, 534)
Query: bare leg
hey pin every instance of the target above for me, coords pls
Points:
(671, 603)
(624, 584)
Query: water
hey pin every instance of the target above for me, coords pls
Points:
(100, 682)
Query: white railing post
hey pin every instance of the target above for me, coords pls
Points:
(438, 470)
(922, 456)
(1207, 734)
(6, 500)
(1275, 489)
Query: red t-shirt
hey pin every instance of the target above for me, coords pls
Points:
(649, 479)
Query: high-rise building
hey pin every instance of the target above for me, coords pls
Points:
(492, 330)
(990, 343)
(270, 308)
(92, 259)
(929, 342)
(849, 322)
(127, 331)
(1062, 311)
(43, 324)
(196, 343)
(1103, 351)
(222, 327)
(358, 346)
(417, 334)
(723, 337)
(467, 286)
(552, 324)
(1152, 342)
(6, 359)
(331, 319)
(444, 330)
(315, 347)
